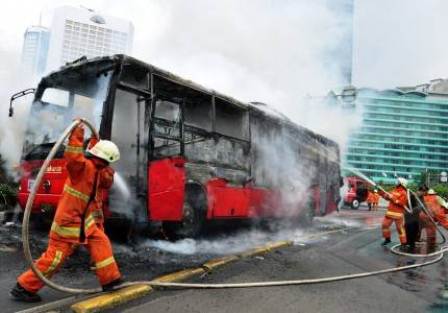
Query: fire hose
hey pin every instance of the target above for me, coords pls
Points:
(51, 284)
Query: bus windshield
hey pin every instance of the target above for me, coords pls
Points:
(56, 106)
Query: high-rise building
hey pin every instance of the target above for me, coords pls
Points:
(77, 32)
(404, 131)
(34, 51)
(73, 33)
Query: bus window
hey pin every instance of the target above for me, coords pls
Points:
(231, 120)
(166, 129)
(198, 113)
(167, 110)
(56, 96)
(135, 75)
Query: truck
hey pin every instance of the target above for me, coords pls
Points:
(357, 191)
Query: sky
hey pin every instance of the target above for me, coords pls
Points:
(259, 50)
(399, 42)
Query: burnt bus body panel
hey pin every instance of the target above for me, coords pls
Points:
(178, 137)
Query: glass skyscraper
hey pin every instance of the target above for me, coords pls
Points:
(34, 51)
(73, 33)
(404, 131)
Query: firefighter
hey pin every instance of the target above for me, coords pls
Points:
(398, 200)
(376, 199)
(370, 199)
(78, 217)
(412, 219)
(436, 207)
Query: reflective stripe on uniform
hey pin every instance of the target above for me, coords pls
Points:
(394, 214)
(65, 231)
(104, 262)
(56, 260)
(74, 149)
(75, 193)
(90, 220)
(402, 233)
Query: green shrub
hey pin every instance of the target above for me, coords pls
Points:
(442, 190)
(7, 196)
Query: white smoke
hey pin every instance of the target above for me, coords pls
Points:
(245, 240)
(388, 53)
(279, 166)
(11, 129)
(274, 52)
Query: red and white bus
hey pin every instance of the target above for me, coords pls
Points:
(190, 155)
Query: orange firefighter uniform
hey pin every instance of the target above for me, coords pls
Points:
(397, 201)
(78, 219)
(376, 200)
(437, 212)
(370, 199)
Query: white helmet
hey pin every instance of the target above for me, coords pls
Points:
(402, 181)
(105, 150)
(431, 192)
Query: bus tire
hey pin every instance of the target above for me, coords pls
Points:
(306, 217)
(193, 220)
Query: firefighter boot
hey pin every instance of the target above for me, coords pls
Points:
(386, 241)
(18, 293)
(412, 247)
(404, 248)
(112, 285)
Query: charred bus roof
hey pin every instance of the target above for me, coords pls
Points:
(99, 65)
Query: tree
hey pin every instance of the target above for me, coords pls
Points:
(442, 190)
(7, 189)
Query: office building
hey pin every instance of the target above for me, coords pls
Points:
(76, 32)
(404, 131)
(34, 51)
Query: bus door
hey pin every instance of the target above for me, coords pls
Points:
(129, 131)
(166, 170)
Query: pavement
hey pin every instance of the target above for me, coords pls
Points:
(356, 250)
(346, 242)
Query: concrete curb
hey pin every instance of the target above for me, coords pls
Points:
(265, 249)
(279, 244)
(180, 275)
(215, 263)
(113, 299)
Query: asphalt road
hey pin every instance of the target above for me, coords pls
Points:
(355, 249)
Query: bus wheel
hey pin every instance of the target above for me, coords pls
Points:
(190, 227)
(355, 204)
(305, 218)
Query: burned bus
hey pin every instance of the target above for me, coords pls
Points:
(190, 155)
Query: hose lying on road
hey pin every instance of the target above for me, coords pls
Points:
(29, 258)
(292, 282)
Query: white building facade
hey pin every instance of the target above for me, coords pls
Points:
(76, 32)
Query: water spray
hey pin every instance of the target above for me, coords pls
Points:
(46, 281)
(422, 205)
(372, 183)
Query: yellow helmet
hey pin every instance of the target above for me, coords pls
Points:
(431, 192)
(105, 150)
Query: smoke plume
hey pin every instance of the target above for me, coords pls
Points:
(274, 52)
